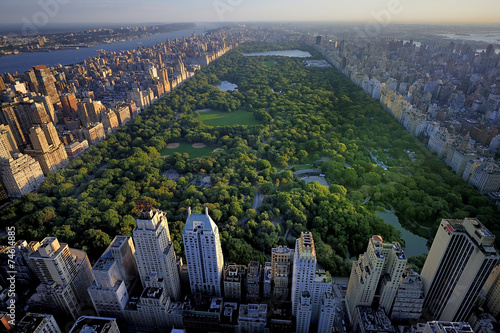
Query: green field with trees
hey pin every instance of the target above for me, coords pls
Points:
(220, 118)
(307, 115)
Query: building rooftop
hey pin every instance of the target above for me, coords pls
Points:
(151, 292)
(374, 321)
(255, 311)
(449, 327)
(93, 325)
(199, 221)
(31, 322)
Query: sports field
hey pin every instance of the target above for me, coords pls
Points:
(219, 118)
(185, 147)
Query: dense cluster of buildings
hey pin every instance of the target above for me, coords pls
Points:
(50, 115)
(446, 94)
(139, 284)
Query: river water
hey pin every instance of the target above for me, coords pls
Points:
(415, 244)
(24, 61)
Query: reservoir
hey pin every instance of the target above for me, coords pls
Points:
(286, 53)
(24, 61)
(415, 245)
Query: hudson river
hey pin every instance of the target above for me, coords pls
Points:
(24, 61)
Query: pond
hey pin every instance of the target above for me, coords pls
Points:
(286, 53)
(415, 244)
(227, 86)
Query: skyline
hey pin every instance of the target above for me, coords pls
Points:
(114, 11)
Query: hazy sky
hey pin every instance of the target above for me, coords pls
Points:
(119, 11)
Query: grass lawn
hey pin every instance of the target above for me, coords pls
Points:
(219, 118)
(186, 147)
(269, 63)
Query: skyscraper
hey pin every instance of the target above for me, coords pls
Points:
(20, 173)
(203, 254)
(64, 274)
(304, 312)
(48, 149)
(409, 299)
(492, 289)
(281, 265)
(164, 79)
(379, 269)
(304, 268)
(46, 82)
(155, 253)
(8, 117)
(114, 275)
(461, 258)
(327, 314)
(69, 104)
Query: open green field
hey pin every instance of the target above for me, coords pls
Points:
(219, 118)
(185, 147)
(270, 63)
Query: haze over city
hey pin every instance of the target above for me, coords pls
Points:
(119, 11)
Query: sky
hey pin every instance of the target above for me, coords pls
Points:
(43, 12)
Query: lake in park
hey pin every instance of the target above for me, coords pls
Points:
(227, 86)
(286, 53)
(415, 244)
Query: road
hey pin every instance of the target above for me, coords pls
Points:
(257, 202)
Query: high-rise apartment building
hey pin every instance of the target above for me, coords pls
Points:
(49, 107)
(40, 114)
(460, 261)
(164, 79)
(304, 312)
(321, 286)
(20, 173)
(94, 133)
(46, 82)
(123, 113)
(409, 299)
(47, 149)
(155, 255)
(379, 269)
(486, 177)
(281, 265)
(328, 313)
(233, 281)
(8, 117)
(254, 281)
(83, 114)
(65, 275)
(110, 121)
(114, 276)
(203, 254)
(2, 84)
(69, 105)
(304, 268)
(492, 289)
(252, 318)
(266, 280)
